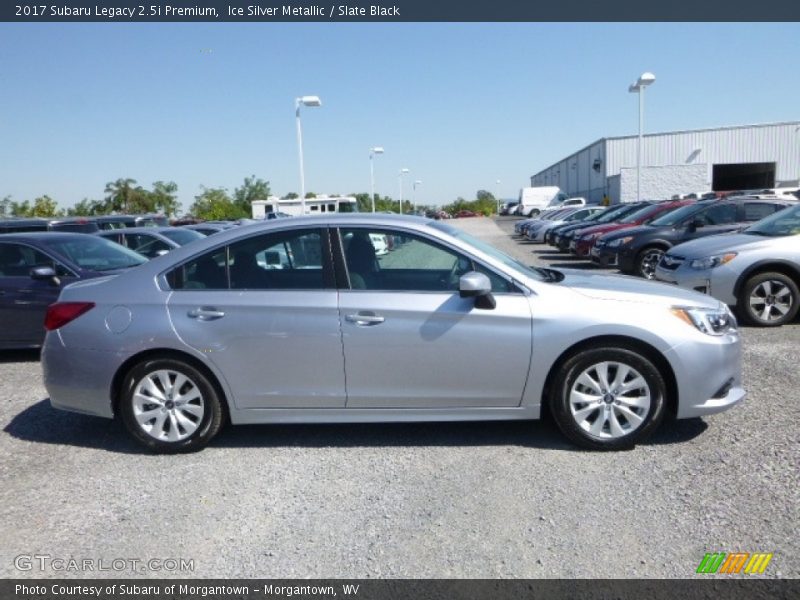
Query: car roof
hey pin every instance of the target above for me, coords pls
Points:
(44, 236)
(107, 232)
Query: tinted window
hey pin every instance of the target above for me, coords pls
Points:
(755, 211)
(718, 214)
(96, 253)
(411, 263)
(147, 245)
(17, 260)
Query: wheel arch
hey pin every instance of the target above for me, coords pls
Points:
(784, 267)
(604, 341)
(170, 353)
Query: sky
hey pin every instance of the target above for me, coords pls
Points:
(460, 105)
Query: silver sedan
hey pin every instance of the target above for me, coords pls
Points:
(300, 320)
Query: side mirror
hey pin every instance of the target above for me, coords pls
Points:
(695, 224)
(45, 274)
(477, 285)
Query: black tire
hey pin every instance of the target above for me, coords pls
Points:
(646, 261)
(603, 410)
(533, 213)
(207, 424)
(784, 292)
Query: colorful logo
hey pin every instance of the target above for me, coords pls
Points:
(734, 562)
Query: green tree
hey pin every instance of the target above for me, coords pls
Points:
(310, 195)
(119, 195)
(215, 204)
(45, 206)
(21, 209)
(87, 207)
(165, 197)
(251, 189)
(292, 195)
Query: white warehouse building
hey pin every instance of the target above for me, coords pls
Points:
(681, 162)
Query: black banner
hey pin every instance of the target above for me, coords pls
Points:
(730, 588)
(399, 11)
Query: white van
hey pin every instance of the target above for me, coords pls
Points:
(532, 200)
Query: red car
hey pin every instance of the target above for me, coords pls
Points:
(465, 213)
(584, 243)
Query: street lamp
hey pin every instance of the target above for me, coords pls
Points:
(414, 186)
(400, 177)
(298, 102)
(644, 80)
(373, 152)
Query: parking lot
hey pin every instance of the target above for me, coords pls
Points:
(467, 500)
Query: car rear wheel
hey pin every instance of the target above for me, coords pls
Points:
(769, 300)
(608, 398)
(647, 261)
(170, 406)
(534, 213)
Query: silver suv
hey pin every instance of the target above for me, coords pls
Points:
(756, 271)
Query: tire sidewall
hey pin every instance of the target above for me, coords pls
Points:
(574, 366)
(756, 280)
(640, 260)
(212, 409)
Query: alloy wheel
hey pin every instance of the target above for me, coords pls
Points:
(168, 405)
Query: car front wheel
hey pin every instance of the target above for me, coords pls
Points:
(647, 261)
(769, 300)
(170, 406)
(608, 398)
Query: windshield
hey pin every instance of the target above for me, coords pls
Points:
(784, 222)
(612, 214)
(640, 214)
(490, 250)
(675, 216)
(96, 253)
(182, 236)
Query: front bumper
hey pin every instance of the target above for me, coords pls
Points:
(708, 371)
(603, 256)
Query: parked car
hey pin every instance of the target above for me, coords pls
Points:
(508, 208)
(462, 214)
(176, 359)
(152, 241)
(586, 242)
(73, 224)
(122, 221)
(756, 272)
(521, 227)
(537, 231)
(563, 236)
(35, 266)
(638, 250)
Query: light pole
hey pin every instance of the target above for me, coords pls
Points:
(298, 102)
(414, 186)
(497, 196)
(400, 177)
(644, 80)
(373, 152)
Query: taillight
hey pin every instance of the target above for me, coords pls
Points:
(61, 313)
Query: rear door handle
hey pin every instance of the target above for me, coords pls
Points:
(205, 313)
(364, 318)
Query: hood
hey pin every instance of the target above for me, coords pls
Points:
(632, 289)
(633, 231)
(724, 242)
(606, 227)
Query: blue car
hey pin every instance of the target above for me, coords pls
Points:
(35, 266)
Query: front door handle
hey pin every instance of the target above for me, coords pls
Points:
(364, 318)
(205, 313)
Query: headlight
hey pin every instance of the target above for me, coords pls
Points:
(709, 262)
(713, 321)
(620, 241)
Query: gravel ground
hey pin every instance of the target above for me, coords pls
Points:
(416, 500)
